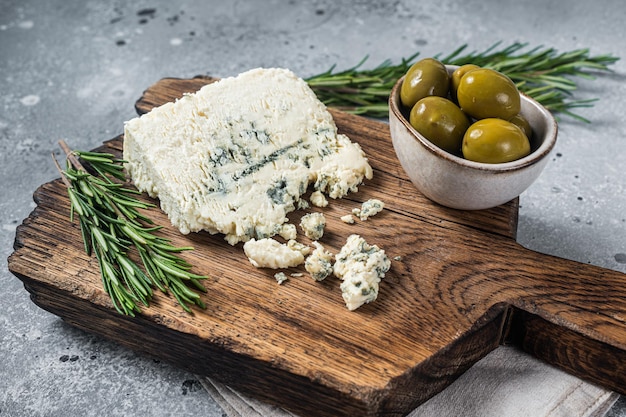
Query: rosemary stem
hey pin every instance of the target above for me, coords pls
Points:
(72, 158)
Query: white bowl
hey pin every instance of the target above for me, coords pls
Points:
(462, 184)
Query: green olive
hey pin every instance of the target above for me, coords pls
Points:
(485, 93)
(427, 77)
(440, 121)
(521, 122)
(494, 141)
(458, 73)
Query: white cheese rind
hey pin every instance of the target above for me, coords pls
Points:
(361, 267)
(236, 156)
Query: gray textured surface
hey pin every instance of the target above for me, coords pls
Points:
(73, 70)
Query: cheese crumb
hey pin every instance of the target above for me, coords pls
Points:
(320, 263)
(361, 267)
(313, 225)
(368, 209)
(318, 199)
(280, 277)
(303, 204)
(300, 247)
(288, 231)
(347, 219)
(269, 253)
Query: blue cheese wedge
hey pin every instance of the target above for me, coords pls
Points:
(361, 267)
(320, 263)
(236, 156)
(313, 225)
(269, 253)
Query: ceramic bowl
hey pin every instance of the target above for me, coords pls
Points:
(458, 183)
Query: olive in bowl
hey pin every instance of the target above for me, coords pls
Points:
(459, 183)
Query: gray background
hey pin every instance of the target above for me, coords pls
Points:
(73, 70)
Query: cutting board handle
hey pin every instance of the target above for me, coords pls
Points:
(573, 316)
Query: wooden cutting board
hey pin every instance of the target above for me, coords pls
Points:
(459, 287)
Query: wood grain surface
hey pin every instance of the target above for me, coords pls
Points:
(460, 287)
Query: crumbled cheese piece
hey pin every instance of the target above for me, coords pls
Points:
(303, 204)
(318, 199)
(280, 277)
(397, 258)
(300, 247)
(236, 156)
(347, 219)
(361, 267)
(288, 231)
(269, 253)
(320, 263)
(296, 274)
(313, 225)
(368, 209)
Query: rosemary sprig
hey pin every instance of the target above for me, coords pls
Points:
(542, 73)
(111, 223)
